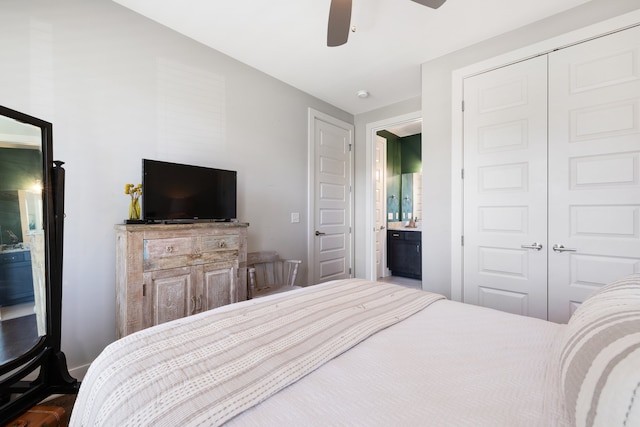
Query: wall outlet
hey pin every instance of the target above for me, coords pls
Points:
(295, 217)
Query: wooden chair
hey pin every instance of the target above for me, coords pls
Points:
(268, 274)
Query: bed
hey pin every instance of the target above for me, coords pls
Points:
(361, 353)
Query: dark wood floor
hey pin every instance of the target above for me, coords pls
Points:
(17, 336)
(65, 401)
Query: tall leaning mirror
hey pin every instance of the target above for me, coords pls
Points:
(32, 366)
(22, 283)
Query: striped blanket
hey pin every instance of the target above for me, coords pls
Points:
(205, 369)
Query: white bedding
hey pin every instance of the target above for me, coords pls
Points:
(450, 364)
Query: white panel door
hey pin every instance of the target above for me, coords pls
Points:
(381, 205)
(332, 198)
(594, 166)
(505, 171)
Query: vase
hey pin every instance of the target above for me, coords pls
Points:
(134, 209)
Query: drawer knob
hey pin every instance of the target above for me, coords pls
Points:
(169, 249)
(221, 244)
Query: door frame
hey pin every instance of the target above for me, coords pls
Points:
(383, 179)
(370, 184)
(311, 214)
(600, 29)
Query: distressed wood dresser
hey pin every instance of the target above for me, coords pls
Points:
(168, 271)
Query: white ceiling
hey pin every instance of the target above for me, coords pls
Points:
(407, 129)
(287, 39)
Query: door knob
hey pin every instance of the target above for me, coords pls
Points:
(561, 248)
(318, 233)
(534, 245)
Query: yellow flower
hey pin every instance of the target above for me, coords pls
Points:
(133, 191)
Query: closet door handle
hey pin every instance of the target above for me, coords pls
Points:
(534, 245)
(319, 233)
(561, 248)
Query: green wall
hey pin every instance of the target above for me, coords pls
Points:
(411, 154)
(19, 170)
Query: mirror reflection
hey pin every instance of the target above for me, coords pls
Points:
(22, 264)
(403, 177)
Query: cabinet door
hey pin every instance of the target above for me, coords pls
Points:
(412, 254)
(168, 295)
(394, 239)
(408, 258)
(217, 285)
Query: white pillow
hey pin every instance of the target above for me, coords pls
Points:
(600, 358)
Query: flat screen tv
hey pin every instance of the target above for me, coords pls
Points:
(177, 192)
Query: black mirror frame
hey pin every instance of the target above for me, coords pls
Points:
(17, 394)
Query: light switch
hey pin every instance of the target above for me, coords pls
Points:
(295, 217)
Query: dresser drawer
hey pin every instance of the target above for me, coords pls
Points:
(217, 242)
(404, 235)
(163, 248)
(160, 254)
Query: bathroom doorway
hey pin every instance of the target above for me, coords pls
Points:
(386, 181)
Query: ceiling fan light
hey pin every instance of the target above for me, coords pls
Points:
(340, 20)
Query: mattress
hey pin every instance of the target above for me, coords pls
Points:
(448, 364)
(451, 364)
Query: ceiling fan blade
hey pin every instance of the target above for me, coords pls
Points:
(339, 22)
(433, 4)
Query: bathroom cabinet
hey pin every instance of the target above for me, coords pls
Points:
(404, 253)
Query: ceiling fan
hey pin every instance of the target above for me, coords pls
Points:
(340, 19)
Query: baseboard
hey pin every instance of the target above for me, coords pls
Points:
(79, 372)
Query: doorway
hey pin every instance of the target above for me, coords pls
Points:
(330, 198)
(376, 191)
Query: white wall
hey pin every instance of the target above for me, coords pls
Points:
(105, 77)
(436, 112)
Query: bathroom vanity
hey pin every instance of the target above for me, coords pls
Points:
(404, 252)
(16, 281)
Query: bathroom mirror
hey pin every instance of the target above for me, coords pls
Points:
(31, 214)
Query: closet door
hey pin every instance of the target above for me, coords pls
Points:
(594, 167)
(505, 187)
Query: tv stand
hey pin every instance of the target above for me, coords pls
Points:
(168, 271)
